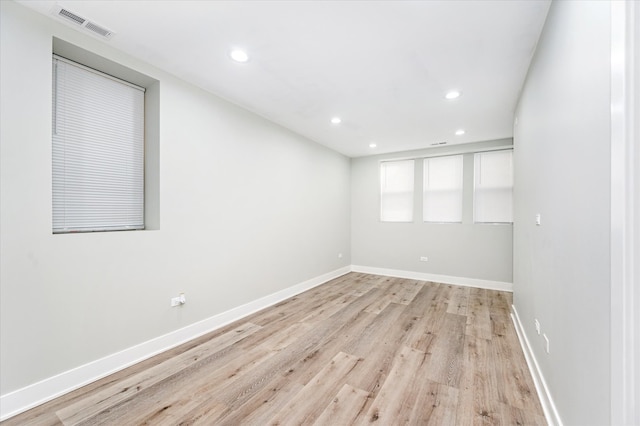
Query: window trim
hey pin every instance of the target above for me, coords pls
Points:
(152, 100)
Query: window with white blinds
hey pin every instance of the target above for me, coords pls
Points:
(442, 189)
(493, 187)
(396, 191)
(98, 151)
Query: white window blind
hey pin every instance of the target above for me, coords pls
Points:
(493, 187)
(98, 151)
(442, 189)
(396, 191)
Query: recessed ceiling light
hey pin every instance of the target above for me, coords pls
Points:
(459, 132)
(372, 145)
(336, 120)
(239, 55)
(453, 94)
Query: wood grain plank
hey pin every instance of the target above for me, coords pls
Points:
(379, 353)
(435, 405)
(305, 368)
(465, 407)
(446, 361)
(478, 315)
(297, 307)
(512, 385)
(406, 291)
(244, 375)
(343, 409)
(130, 387)
(328, 309)
(429, 309)
(264, 405)
(304, 352)
(457, 303)
(510, 415)
(478, 398)
(390, 287)
(179, 393)
(379, 327)
(308, 404)
(391, 406)
(347, 325)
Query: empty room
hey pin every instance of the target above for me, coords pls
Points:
(319, 212)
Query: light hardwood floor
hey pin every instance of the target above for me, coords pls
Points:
(360, 349)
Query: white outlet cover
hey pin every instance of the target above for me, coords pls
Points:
(424, 259)
(177, 301)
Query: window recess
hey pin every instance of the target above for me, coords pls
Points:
(98, 150)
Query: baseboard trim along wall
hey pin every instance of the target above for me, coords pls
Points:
(38, 393)
(444, 279)
(548, 406)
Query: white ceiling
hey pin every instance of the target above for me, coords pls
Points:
(382, 66)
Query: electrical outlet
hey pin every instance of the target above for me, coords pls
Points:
(424, 259)
(339, 255)
(537, 323)
(180, 300)
(546, 340)
(538, 219)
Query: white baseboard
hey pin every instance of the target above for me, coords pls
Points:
(38, 393)
(548, 406)
(445, 279)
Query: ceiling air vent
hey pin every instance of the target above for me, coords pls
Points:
(98, 29)
(439, 143)
(69, 16)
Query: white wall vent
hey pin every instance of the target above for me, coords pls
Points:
(69, 16)
(439, 143)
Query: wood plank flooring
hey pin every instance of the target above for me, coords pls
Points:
(361, 349)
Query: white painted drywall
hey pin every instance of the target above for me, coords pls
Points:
(247, 208)
(562, 171)
(479, 251)
(635, 255)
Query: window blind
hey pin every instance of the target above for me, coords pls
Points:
(98, 151)
(396, 191)
(442, 189)
(493, 187)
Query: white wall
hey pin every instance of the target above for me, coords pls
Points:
(625, 213)
(247, 208)
(635, 219)
(562, 171)
(462, 250)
